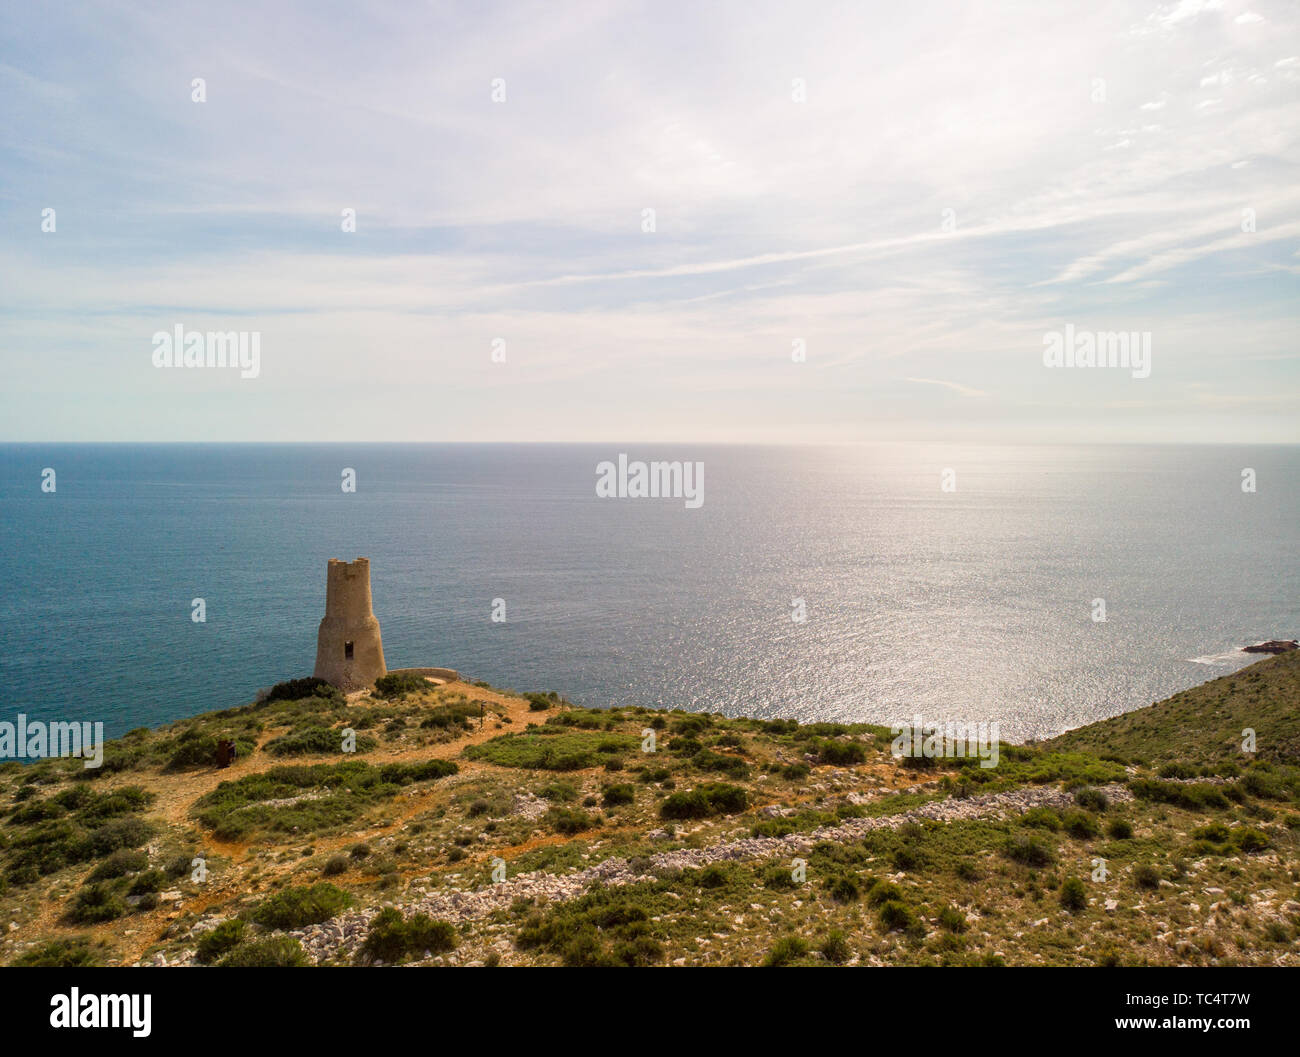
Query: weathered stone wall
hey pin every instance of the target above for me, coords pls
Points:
(349, 619)
(449, 675)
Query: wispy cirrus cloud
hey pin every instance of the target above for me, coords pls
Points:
(924, 211)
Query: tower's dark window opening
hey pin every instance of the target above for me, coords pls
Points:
(347, 651)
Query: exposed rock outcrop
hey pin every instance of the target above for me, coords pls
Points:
(1272, 646)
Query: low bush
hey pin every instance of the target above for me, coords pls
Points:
(1091, 799)
(617, 795)
(840, 753)
(119, 864)
(396, 684)
(568, 820)
(76, 952)
(1028, 852)
(295, 907)
(786, 950)
(218, 941)
(1080, 825)
(1074, 896)
(392, 938)
(703, 801)
(297, 689)
(270, 952)
(835, 948)
(96, 903)
(896, 917)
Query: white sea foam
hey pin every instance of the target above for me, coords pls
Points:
(1219, 660)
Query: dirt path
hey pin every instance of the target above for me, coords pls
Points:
(179, 792)
(182, 791)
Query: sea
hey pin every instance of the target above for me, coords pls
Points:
(869, 583)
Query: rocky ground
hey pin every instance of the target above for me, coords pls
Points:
(510, 829)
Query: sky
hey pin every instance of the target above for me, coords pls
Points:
(915, 195)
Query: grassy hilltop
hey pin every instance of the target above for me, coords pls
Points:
(477, 826)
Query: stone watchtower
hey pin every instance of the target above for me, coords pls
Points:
(349, 650)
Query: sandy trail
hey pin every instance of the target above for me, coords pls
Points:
(178, 794)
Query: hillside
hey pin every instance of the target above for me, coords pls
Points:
(1204, 725)
(478, 826)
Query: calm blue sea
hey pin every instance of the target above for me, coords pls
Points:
(972, 604)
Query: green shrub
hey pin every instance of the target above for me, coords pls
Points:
(616, 795)
(1263, 785)
(549, 748)
(568, 820)
(1146, 876)
(835, 948)
(96, 903)
(952, 919)
(712, 876)
(896, 917)
(216, 942)
(270, 952)
(1250, 840)
(334, 865)
(119, 864)
(422, 771)
(391, 938)
(703, 801)
(844, 888)
(1041, 818)
(731, 766)
(108, 838)
(149, 881)
(604, 927)
(562, 792)
(295, 907)
(1074, 896)
(76, 952)
(883, 892)
(1091, 799)
(786, 950)
(396, 684)
(179, 865)
(193, 749)
(1080, 825)
(1120, 829)
(840, 753)
(1028, 852)
(1215, 832)
(315, 741)
(688, 803)
(1191, 797)
(297, 689)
